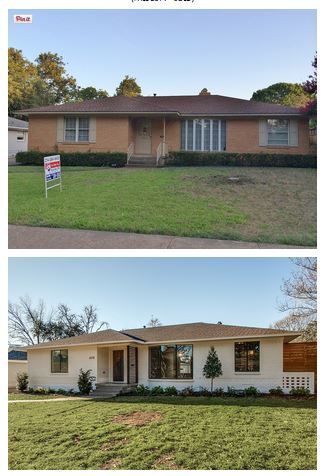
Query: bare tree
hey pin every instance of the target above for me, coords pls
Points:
(30, 324)
(154, 322)
(300, 304)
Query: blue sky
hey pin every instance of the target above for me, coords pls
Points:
(127, 291)
(231, 52)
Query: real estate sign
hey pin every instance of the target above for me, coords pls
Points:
(52, 170)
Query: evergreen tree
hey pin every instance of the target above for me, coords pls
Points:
(212, 367)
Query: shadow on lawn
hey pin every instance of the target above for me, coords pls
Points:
(227, 401)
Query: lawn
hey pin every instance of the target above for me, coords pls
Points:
(267, 205)
(163, 433)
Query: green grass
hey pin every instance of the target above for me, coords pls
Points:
(27, 396)
(270, 205)
(192, 433)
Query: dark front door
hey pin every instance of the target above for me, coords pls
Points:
(118, 365)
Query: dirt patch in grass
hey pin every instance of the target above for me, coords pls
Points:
(215, 180)
(112, 464)
(137, 418)
(76, 439)
(112, 442)
(166, 461)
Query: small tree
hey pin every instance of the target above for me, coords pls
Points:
(212, 367)
(22, 382)
(85, 382)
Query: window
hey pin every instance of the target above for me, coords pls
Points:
(171, 362)
(203, 135)
(76, 129)
(59, 361)
(247, 357)
(277, 132)
(20, 136)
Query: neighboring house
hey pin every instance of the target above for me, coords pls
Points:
(168, 355)
(17, 362)
(17, 136)
(150, 126)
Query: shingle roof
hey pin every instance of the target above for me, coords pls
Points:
(201, 330)
(176, 333)
(180, 105)
(14, 123)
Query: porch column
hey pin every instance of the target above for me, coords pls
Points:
(164, 139)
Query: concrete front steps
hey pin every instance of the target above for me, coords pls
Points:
(111, 389)
(142, 161)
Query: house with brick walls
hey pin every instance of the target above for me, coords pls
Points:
(172, 355)
(149, 127)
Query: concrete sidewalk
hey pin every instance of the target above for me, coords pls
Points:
(28, 237)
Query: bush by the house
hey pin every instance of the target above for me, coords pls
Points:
(182, 158)
(299, 392)
(233, 392)
(158, 390)
(276, 391)
(251, 392)
(187, 392)
(170, 391)
(142, 390)
(22, 381)
(85, 159)
(85, 382)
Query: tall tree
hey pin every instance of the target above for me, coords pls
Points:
(288, 94)
(204, 92)
(128, 87)
(29, 324)
(212, 367)
(300, 304)
(22, 77)
(310, 87)
(154, 322)
(90, 92)
(52, 70)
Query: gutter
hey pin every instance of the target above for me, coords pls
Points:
(165, 113)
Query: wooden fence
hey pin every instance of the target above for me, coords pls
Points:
(300, 357)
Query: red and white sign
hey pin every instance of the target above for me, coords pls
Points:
(52, 167)
(23, 18)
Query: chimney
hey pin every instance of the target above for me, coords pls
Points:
(144, 327)
(155, 94)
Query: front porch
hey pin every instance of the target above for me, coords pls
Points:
(117, 365)
(149, 140)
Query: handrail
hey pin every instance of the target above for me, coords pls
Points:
(130, 152)
(162, 151)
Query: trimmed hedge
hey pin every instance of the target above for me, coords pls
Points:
(85, 159)
(179, 159)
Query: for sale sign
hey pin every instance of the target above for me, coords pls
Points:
(52, 167)
(52, 170)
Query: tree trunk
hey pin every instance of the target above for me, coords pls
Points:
(211, 385)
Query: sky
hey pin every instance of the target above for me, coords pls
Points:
(173, 52)
(128, 291)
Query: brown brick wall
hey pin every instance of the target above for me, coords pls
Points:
(114, 133)
(243, 136)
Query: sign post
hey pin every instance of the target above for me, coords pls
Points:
(52, 170)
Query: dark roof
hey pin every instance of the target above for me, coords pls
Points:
(14, 123)
(17, 355)
(177, 105)
(175, 333)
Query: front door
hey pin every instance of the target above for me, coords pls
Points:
(118, 365)
(143, 137)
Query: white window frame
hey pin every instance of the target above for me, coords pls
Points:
(202, 135)
(20, 134)
(76, 137)
(271, 144)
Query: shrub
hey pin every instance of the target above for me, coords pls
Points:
(22, 381)
(170, 391)
(218, 392)
(182, 158)
(187, 392)
(276, 391)
(40, 391)
(299, 392)
(158, 390)
(142, 390)
(84, 382)
(203, 392)
(85, 159)
(251, 392)
(233, 392)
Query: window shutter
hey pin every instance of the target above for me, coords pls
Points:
(263, 132)
(293, 132)
(92, 129)
(60, 129)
